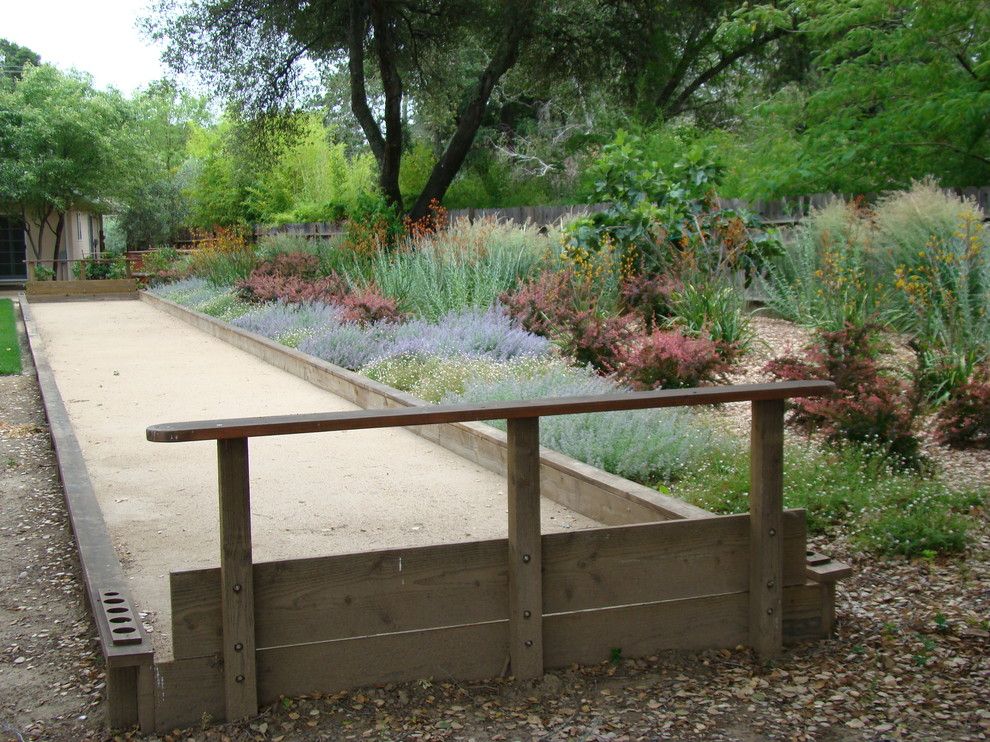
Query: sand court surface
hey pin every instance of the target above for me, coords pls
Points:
(123, 365)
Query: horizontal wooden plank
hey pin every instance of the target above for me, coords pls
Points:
(188, 689)
(658, 561)
(463, 653)
(717, 621)
(248, 427)
(93, 287)
(328, 598)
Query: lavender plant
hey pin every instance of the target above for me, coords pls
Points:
(473, 333)
(647, 446)
(290, 324)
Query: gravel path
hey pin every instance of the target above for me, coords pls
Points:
(123, 365)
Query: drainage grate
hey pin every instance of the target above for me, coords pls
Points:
(120, 617)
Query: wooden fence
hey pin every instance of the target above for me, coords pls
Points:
(781, 212)
(247, 632)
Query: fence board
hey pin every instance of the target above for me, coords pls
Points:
(480, 651)
(470, 652)
(665, 561)
(335, 597)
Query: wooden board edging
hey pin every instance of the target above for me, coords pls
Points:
(190, 689)
(101, 569)
(82, 289)
(416, 588)
(604, 497)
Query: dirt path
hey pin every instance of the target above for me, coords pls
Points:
(51, 677)
(124, 365)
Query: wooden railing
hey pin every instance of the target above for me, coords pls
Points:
(524, 536)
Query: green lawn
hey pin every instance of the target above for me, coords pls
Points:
(10, 349)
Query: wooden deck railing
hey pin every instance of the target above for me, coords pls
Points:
(523, 490)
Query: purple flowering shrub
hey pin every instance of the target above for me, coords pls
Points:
(471, 333)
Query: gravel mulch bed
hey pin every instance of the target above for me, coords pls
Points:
(51, 677)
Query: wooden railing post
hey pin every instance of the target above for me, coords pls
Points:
(236, 580)
(766, 514)
(525, 549)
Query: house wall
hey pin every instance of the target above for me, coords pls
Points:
(80, 240)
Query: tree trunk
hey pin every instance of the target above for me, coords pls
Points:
(518, 16)
(385, 49)
(59, 230)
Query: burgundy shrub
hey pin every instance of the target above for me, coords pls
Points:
(964, 421)
(669, 360)
(367, 306)
(650, 298)
(260, 288)
(869, 405)
(549, 306)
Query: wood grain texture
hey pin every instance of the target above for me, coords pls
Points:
(525, 549)
(408, 589)
(189, 688)
(766, 514)
(463, 652)
(237, 580)
(187, 692)
(328, 598)
(250, 427)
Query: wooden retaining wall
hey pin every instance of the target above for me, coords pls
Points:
(442, 612)
(125, 645)
(247, 633)
(118, 288)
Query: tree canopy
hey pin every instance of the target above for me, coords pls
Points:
(441, 63)
(62, 144)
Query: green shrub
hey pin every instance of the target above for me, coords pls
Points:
(822, 278)
(431, 378)
(715, 311)
(886, 510)
(465, 266)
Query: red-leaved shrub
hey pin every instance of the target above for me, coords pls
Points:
(368, 306)
(260, 288)
(869, 405)
(550, 306)
(669, 360)
(964, 421)
(650, 298)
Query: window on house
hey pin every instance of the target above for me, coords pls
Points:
(78, 226)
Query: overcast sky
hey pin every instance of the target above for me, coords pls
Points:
(100, 38)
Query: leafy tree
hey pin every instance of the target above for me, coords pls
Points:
(155, 206)
(905, 91)
(62, 144)
(13, 58)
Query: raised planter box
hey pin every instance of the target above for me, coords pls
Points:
(125, 288)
